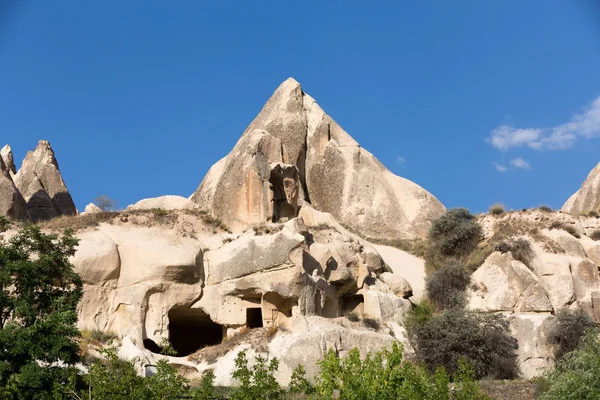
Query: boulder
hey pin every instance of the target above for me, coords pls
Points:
(164, 202)
(293, 154)
(12, 203)
(92, 209)
(397, 284)
(40, 182)
(505, 284)
(535, 353)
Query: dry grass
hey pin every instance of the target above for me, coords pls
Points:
(78, 222)
(256, 337)
(567, 228)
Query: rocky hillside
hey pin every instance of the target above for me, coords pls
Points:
(282, 251)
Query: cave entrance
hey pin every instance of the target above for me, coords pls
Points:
(285, 185)
(191, 329)
(254, 318)
(352, 303)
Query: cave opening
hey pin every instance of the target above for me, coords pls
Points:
(352, 303)
(254, 317)
(284, 184)
(191, 329)
(151, 345)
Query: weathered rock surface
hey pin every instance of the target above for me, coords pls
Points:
(9, 160)
(587, 198)
(42, 186)
(91, 209)
(12, 203)
(293, 153)
(168, 202)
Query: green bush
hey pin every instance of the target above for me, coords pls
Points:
(452, 238)
(4, 223)
(484, 341)
(576, 374)
(520, 249)
(258, 381)
(595, 235)
(497, 209)
(545, 209)
(571, 326)
(445, 286)
(385, 376)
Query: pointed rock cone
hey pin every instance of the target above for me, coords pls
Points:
(8, 158)
(12, 203)
(292, 154)
(587, 198)
(42, 186)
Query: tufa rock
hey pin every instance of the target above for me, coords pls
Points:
(587, 198)
(164, 202)
(293, 154)
(8, 158)
(12, 203)
(42, 186)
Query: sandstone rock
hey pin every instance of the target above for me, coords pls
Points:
(12, 203)
(504, 284)
(397, 284)
(92, 209)
(9, 160)
(164, 202)
(41, 184)
(293, 153)
(407, 266)
(535, 353)
(97, 259)
(587, 198)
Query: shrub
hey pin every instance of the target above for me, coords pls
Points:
(571, 326)
(568, 228)
(159, 212)
(166, 348)
(4, 223)
(576, 374)
(497, 209)
(385, 375)
(258, 381)
(440, 341)
(595, 235)
(452, 238)
(445, 286)
(456, 233)
(352, 316)
(520, 249)
(593, 214)
(105, 203)
(371, 323)
(544, 209)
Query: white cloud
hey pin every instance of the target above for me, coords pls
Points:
(500, 167)
(585, 125)
(520, 163)
(400, 160)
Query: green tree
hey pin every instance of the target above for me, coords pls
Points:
(257, 381)
(115, 379)
(39, 292)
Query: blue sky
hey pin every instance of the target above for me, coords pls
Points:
(476, 101)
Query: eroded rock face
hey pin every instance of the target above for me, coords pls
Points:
(9, 160)
(42, 186)
(293, 153)
(587, 198)
(12, 203)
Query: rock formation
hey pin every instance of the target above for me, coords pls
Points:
(293, 154)
(164, 202)
(587, 198)
(12, 203)
(40, 183)
(8, 158)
